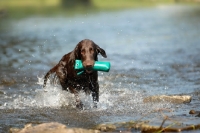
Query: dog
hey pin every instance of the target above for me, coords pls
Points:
(86, 51)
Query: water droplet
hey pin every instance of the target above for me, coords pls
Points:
(5, 104)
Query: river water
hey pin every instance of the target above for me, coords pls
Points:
(152, 51)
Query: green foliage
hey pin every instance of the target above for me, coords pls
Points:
(72, 3)
(23, 8)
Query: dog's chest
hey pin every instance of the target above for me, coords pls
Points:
(79, 82)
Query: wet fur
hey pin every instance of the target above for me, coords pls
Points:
(87, 51)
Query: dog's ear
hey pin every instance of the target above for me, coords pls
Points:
(101, 51)
(77, 51)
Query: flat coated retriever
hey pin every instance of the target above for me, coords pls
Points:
(86, 51)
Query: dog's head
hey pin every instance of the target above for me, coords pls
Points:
(87, 51)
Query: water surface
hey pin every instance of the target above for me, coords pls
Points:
(152, 51)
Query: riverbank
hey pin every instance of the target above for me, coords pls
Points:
(130, 126)
(143, 126)
(166, 123)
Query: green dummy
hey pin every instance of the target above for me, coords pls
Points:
(98, 66)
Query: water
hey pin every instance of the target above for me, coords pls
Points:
(152, 51)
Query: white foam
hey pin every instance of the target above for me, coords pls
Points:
(52, 96)
(111, 98)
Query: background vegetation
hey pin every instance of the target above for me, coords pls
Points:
(21, 8)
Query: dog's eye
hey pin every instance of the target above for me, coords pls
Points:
(83, 51)
(91, 49)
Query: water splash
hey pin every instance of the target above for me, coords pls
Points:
(113, 98)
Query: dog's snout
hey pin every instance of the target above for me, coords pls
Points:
(88, 64)
(89, 67)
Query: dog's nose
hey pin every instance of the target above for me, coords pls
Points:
(89, 66)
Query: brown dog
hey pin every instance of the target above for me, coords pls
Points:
(87, 51)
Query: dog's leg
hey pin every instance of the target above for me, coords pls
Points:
(95, 94)
(79, 104)
(62, 74)
(48, 75)
(94, 87)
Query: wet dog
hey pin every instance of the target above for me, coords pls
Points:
(86, 51)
